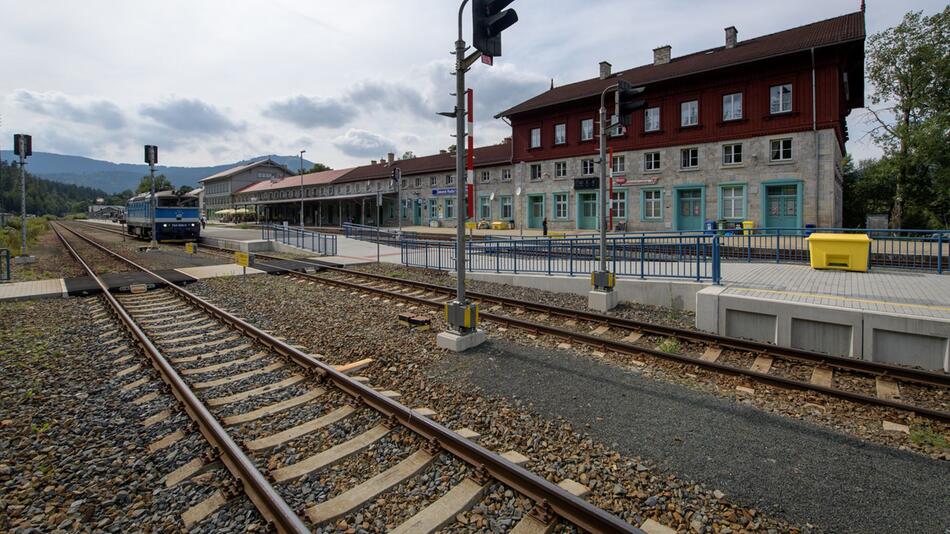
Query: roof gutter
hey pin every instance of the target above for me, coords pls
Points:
(701, 71)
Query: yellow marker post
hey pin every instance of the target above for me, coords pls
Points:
(191, 248)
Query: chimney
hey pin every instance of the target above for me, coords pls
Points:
(661, 55)
(604, 70)
(731, 36)
(372, 162)
(390, 157)
(442, 151)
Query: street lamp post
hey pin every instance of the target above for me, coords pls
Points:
(301, 188)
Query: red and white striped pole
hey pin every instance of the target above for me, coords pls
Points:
(470, 155)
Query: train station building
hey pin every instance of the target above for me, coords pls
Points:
(751, 130)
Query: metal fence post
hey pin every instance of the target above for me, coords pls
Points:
(613, 255)
(778, 239)
(571, 257)
(549, 257)
(716, 266)
(642, 257)
(498, 257)
(698, 259)
(940, 253)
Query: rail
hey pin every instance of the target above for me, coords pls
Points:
(692, 257)
(271, 505)
(4, 265)
(305, 239)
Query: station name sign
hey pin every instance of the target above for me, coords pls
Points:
(443, 192)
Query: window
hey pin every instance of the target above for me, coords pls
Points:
(486, 177)
(484, 208)
(587, 166)
(433, 208)
(619, 163)
(347, 189)
(780, 98)
(732, 154)
(418, 183)
(535, 137)
(732, 107)
(651, 120)
(689, 158)
(433, 181)
(450, 208)
(560, 134)
(449, 179)
(587, 129)
(780, 149)
(535, 172)
(506, 175)
(560, 205)
(405, 184)
(651, 161)
(652, 200)
(618, 204)
(732, 201)
(689, 113)
(560, 169)
(616, 130)
(506, 208)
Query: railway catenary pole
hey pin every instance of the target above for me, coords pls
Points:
(151, 157)
(22, 204)
(302, 152)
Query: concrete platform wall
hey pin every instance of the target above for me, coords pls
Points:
(680, 295)
(257, 245)
(869, 335)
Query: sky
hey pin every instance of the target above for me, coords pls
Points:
(216, 81)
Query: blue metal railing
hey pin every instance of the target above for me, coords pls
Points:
(384, 235)
(670, 256)
(4, 265)
(305, 239)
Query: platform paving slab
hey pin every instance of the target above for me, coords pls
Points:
(783, 466)
(34, 289)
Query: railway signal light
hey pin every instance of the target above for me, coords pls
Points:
(489, 19)
(151, 154)
(625, 101)
(22, 145)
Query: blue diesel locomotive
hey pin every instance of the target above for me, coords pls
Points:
(176, 217)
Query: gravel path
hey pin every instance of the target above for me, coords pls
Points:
(73, 454)
(51, 261)
(811, 475)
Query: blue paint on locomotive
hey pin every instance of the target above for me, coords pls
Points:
(172, 223)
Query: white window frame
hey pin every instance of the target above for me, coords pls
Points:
(507, 205)
(730, 153)
(618, 204)
(561, 203)
(587, 167)
(560, 169)
(619, 163)
(652, 207)
(485, 177)
(534, 172)
(781, 149)
(506, 175)
(651, 119)
(647, 161)
(689, 113)
(535, 137)
(587, 129)
(735, 203)
(449, 208)
(732, 107)
(780, 98)
(560, 133)
(433, 181)
(690, 150)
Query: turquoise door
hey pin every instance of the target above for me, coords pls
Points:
(689, 209)
(587, 211)
(535, 210)
(416, 213)
(782, 207)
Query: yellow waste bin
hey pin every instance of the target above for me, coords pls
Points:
(847, 252)
(747, 227)
(471, 225)
(500, 225)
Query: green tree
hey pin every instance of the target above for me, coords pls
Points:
(319, 167)
(161, 184)
(408, 155)
(909, 67)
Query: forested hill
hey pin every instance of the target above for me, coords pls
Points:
(46, 197)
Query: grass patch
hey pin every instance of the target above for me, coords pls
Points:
(669, 345)
(926, 437)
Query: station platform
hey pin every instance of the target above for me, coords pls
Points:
(349, 251)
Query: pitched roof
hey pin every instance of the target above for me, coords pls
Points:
(241, 168)
(484, 156)
(313, 178)
(828, 32)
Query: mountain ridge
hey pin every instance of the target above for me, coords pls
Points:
(116, 177)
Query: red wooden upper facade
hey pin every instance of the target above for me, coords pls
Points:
(696, 96)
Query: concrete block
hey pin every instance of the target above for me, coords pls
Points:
(23, 260)
(908, 340)
(707, 308)
(759, 326)
(602, 301)
(459, 343)
(821, 336)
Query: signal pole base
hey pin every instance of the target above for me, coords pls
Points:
(602, 301)
(24, 260)
(455, 342)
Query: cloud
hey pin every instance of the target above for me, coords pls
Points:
(362, 144)
(191, 116)
(390, 97)
(100, 113)
(311, 112)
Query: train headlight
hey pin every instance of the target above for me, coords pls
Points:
(164, 225)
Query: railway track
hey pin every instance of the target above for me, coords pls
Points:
(261, 401)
